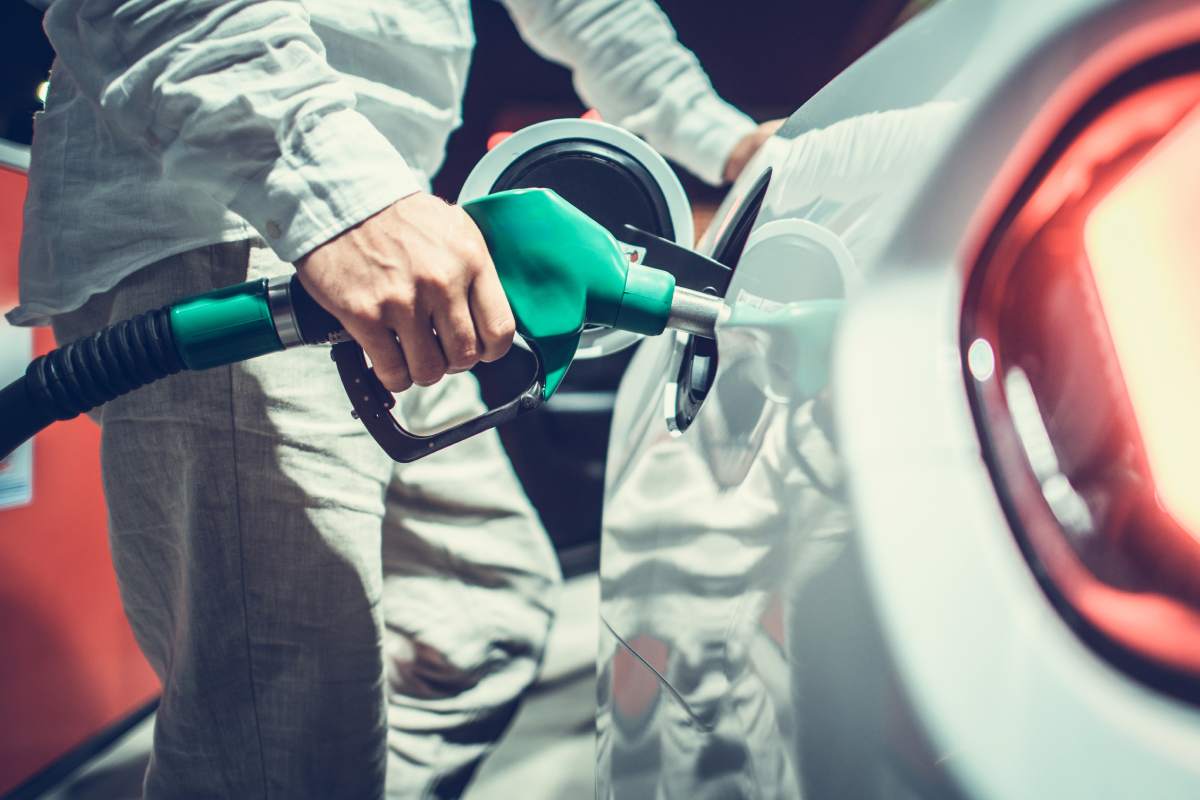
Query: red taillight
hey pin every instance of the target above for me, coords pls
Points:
(1143, 243)
(1082, 342)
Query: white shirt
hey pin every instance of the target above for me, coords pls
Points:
(173, 124)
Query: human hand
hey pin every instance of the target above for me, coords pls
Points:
(747, 146)
(416, 288)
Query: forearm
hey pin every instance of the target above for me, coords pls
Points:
(235, 98)
(628, 63)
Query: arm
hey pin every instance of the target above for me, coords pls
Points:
(629, 65)
(235, 98)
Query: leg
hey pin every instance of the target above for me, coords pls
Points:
(245, 513)
(469, 592)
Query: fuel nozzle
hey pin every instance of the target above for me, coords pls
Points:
(696, 312)
(562, 270)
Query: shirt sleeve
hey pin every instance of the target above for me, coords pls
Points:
(235, 98)
(629, 65)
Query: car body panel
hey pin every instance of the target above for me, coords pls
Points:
(826, 592)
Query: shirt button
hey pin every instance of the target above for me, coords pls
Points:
(273, 229)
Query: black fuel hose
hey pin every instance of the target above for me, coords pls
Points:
(77, 377)
(22, 417)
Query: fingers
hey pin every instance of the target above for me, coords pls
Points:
(456, 334)
(387, 359)
(494, 324)
(418, 272)
(426, 364)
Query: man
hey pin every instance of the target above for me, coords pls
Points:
(281, 574)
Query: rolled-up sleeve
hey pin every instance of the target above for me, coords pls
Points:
(235, 98)
(628, 63)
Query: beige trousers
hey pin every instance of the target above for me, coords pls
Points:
(325, 622)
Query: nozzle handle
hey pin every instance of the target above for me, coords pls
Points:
(302, 321)
(373, 405)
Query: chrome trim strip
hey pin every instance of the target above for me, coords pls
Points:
(279, 300)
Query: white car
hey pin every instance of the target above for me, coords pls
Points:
(970, 564)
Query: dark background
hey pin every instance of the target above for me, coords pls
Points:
(766, 57)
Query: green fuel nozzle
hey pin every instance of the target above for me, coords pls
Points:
(560, 269)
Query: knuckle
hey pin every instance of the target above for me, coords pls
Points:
(481, 265)
(477, 247)
(393, 375)
(498, 339)
(394, 381)
(427, 373)
(364, 311)
(481, 257)
(464, 357)
(502, 328)
(399, 304)
(434, 284)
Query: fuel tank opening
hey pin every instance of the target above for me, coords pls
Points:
(599, 179)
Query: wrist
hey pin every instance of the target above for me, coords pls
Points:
(331, 176)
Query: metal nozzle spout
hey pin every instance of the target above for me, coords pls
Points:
(696, 312)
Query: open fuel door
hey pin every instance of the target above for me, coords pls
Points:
(606, 172)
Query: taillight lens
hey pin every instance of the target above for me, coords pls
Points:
(1082, 345)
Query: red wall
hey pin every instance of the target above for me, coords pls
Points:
(69, 666)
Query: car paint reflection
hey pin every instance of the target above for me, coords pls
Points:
(726, 548)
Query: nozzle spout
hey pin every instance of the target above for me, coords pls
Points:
(696, 312)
